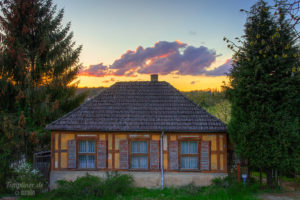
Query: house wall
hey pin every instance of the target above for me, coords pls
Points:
(218, 154)
(144, 179)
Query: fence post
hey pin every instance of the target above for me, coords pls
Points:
(238, 170)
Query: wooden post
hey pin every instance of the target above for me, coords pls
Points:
(238, 172)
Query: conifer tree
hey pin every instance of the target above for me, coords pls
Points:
(38, 65)
(265, 94)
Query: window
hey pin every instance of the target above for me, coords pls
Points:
(139, 154)
(189, 155)
(86, 154)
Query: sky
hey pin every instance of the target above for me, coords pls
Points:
(181, 40)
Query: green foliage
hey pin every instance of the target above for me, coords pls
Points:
(264, 93)
(38, 66)
(92, 187)
(26, 180)
(82, 188)
(222, 189)
(116, 183)
(213, 102)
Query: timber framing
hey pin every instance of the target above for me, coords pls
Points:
(145, 136)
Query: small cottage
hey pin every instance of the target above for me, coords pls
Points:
(147, 129)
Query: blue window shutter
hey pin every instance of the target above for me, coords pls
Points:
(71, 154)
(101, 154)
(205, 155)
(123, 145)
(154, 154)
(173, 155)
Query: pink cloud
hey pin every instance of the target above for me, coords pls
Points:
(98, 70)
(221, 70)
(163, 58)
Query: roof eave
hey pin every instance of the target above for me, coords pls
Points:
(142, 130)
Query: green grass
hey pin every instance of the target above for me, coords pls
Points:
(256, 174)
(190, 192)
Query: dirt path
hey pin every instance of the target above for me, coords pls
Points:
(280, 196)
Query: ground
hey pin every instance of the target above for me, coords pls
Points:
(281, 196)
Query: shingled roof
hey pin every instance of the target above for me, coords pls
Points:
(139, 106)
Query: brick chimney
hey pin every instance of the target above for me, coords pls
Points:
(154, 77)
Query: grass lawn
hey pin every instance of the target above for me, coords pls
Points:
(116, 186)
(233, 192)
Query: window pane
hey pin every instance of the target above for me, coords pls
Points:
(143, 162)
(139, 147)
(184, 147)
(134, 162)
(193, 147)
(91, 161)
(82, 162)
(134, 147)
(193, 162)
(139, 162)
(82, 146)
(91, 147)
(184, 162)
(143, 147)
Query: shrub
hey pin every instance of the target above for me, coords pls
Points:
(83, 187)
(223, 182)
(191, 189)
(92, 187)
(25, 180)
(116, 183)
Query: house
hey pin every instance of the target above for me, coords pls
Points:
(147, 129)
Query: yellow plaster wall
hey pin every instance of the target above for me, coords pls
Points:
(56, 141)
(102, 137)
(221, 162)
(155, 137)
(221, 138)
(165, 143)
(213, 139)
(119, 137)
(173, 137)
(117, 160)
(109, 141)
(64, 140)
(206, 137)
(109, 160)
(214, 162)
(64, 159)
(165, 161)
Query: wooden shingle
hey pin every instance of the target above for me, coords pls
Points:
(139, 106)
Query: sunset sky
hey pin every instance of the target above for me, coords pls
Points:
(181, 40)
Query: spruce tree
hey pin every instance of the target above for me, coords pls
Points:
(264, 92)
(38, 65)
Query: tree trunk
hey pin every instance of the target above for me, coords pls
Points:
(270, 179)
(260, 178)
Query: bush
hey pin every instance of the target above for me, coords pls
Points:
(118, 184)
(83, 187)
(191, 189)
(25, 180)
(223, 182)
(92, 187)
